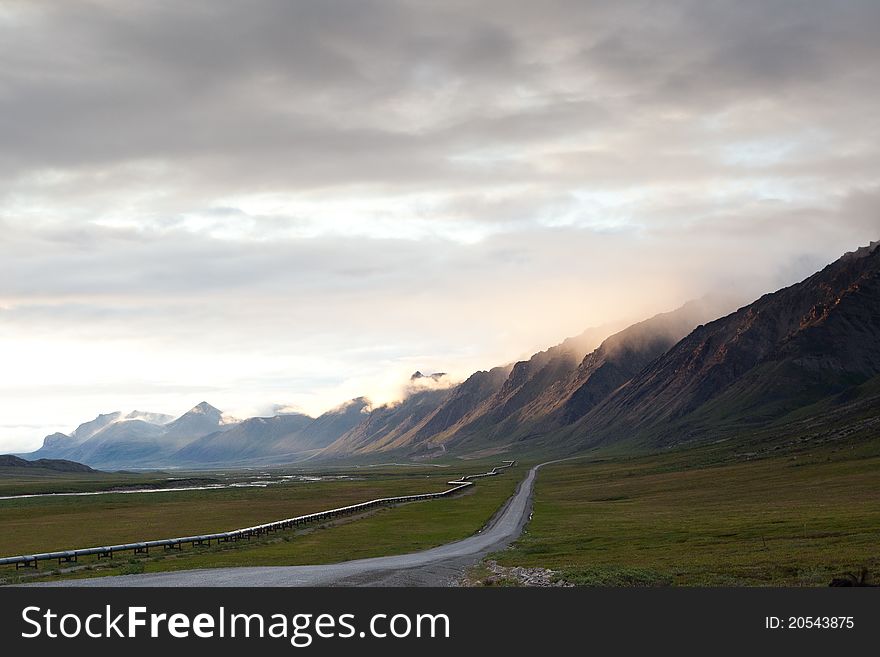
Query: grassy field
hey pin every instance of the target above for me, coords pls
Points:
(43, 523)
(679, 519)
(18, 481)
(699, 517)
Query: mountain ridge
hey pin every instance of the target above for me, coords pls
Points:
(786, 350)
(694, 374)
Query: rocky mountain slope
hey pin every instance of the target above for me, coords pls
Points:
(784, 352)
(556, 394)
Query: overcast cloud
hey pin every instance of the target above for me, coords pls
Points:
(286, 203)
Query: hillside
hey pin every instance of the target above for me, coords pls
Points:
(556, 395)
(11, 465)
(789, 350)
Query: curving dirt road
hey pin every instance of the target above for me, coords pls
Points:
(438, 566)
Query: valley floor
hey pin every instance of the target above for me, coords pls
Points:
(696, 517)
(685, 519)
(49, 523)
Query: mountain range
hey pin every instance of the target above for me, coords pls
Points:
(203, 436)
(806, 356)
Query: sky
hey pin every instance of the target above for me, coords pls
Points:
(289, 203)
